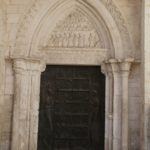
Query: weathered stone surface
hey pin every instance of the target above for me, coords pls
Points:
(71, 32)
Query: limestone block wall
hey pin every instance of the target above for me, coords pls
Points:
(14, 11)
(6, 115)
(135, 108)
(145, 128)
(131, 10)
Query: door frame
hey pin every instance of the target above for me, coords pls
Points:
(26, 102)
(84, 66)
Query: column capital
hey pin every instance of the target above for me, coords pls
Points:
(119, 65)
(115, 65)
(125, 65)
(28, 64)
(106, 68)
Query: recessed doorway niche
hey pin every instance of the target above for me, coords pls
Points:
(72, 108)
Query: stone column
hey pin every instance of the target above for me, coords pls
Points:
(2, 97)
(106, 69)
(117, 95)
(125, 71)
(121, 70)
(145, 84)
(110, 116)
(26, 104)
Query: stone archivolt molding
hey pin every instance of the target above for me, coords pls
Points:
(39, 5)
(120, 22)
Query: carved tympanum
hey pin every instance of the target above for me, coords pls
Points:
(75, 31)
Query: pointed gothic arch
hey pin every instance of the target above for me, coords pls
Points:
(32, 39)
(36, 24)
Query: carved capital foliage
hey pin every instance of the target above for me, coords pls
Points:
(118, 65)
(28, 65)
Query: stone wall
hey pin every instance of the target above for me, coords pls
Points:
(135, 101)
(131, 10)
(145, 127)
(16, 9)
(135, 108)
(6, 116)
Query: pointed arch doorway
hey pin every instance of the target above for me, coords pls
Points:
(72, 108)
(72, 115)
(90, 42)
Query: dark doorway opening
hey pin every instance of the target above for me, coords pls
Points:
(72, 108)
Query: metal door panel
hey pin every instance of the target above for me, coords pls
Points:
(72, 109)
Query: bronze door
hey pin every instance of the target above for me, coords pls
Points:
(72, 108)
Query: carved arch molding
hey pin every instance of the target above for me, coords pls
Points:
(106, 13)
(80, 35)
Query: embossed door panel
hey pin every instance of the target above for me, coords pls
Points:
(72, 108)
